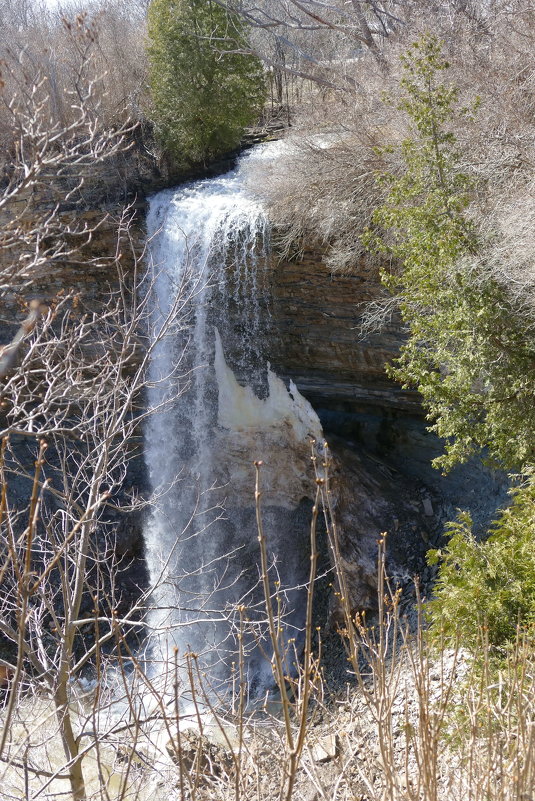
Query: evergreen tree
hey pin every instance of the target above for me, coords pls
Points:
(204, 88)
(487, 584)
(470, 351)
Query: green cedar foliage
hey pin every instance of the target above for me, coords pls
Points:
(204, 92)
(489, 585)
(468, 351)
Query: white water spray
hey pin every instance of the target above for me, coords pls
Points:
(208, 263)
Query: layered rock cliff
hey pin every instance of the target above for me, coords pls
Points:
(317, 341)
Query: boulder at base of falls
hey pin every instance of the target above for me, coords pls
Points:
(198, 756)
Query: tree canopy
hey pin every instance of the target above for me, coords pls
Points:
(206, 88)
(469, 349)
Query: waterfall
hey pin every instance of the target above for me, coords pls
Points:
(218, 407)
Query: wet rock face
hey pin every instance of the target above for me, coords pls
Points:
(315, 343)
(370, 497)
(316, 318)
(374, 500)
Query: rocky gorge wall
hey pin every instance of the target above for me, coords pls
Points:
(381, 449)
(317, 341)
(84, 266)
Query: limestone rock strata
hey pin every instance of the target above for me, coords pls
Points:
(85, 262)
(316, 342)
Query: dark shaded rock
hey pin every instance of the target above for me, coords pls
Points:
(373, 500)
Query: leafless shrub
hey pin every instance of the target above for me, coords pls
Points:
(71, 411)
(511, 252)
(323, 188)
(46, 46)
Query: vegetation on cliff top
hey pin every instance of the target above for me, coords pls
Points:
(205, 87)
(469, 351)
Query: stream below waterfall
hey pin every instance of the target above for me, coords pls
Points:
(218, 407)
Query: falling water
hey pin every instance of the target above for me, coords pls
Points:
(208, 275)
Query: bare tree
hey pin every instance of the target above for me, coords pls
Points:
(325, 42)
(43, 43)
(72, 382)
